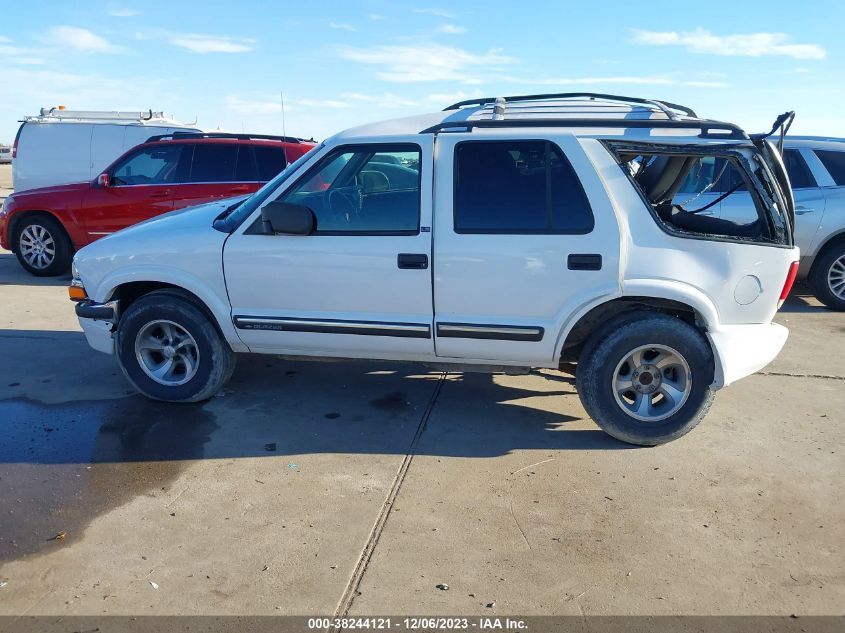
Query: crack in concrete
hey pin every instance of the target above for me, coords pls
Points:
(794, 375)
(351, 591)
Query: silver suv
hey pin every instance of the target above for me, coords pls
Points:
(816, 168)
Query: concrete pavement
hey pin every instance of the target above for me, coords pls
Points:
(310, 487)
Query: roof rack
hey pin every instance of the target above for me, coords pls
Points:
(242, 137)
(665, 107)
(709, 129)
(98, 115)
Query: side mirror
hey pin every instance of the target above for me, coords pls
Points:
(103, 180)
(288, 219)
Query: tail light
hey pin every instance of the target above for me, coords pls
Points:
(787, 286)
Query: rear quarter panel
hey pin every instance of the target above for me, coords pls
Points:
(734, 283)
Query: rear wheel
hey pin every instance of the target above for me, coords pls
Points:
(42, 247)
(645, 379)
(170, 350)
(827, 277)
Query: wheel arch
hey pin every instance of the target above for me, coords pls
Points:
(20, 216)
(128, 290)
(831, 241)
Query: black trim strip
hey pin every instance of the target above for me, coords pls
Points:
(333, 326)
(490, 331)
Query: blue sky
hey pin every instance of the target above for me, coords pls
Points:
(341, 64)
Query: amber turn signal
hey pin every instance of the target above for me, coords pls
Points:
(77, 293)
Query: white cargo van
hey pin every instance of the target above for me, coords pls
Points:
(61, 146)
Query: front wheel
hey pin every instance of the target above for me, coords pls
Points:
(827, 277)
(42, 247)
(646, 378)
(170, 350)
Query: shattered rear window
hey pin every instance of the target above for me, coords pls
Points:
(707, 192)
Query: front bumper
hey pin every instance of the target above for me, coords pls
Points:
(742, 350)
(97, 321)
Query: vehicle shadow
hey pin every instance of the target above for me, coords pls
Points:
(13, 274)
(75, 441)
(802, 300)
(274, 406)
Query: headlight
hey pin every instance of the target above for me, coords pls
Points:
(74, 271)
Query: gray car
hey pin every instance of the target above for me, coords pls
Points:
(816, 167)
(5, 154)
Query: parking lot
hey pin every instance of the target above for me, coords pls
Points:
(315, 488)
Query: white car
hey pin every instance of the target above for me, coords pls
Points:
(497, 235)
(5, 155)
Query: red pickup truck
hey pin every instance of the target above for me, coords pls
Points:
(44, 227)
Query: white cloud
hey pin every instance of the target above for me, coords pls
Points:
(79, 39)
(451, 29)
(637, 80)
(386, 100)
(252, 107)
(376, 16)
(12, 54)
(426, 62)
(441, 13)
(343, 27)
(198, 43)
(321, 103)
(737, 45)
(123, 12)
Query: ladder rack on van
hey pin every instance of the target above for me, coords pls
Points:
(98, 115)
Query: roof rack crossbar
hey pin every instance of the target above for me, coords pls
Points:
(664, 106)
(709, 129)
(242, 137)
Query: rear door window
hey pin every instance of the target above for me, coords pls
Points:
(517, 187)
(270, 161)
(834, 162)
(799, 174)
(213, 162)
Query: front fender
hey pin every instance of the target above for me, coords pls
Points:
(212, 295)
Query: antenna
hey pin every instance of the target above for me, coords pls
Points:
(284, 131)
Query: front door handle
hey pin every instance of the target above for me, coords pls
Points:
(414, 261)
(584, 261)
(801, 210)
(160, 194)
(239, 189)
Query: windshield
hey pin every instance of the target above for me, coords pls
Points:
(243, 210)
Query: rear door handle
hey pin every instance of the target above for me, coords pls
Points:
(414, 261)
(160, 194)
(801, 210)
(584, 261)
(240, 189)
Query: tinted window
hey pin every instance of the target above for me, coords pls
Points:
(517, 187)
(834, 162)
(799, 174)
(213, 163)
(151, 166)
(244, 168)
(350, 192)
(270, 161)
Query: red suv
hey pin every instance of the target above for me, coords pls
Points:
(44, 227)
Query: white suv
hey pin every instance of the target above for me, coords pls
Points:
(497, 235)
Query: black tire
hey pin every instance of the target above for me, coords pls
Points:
(215, 358)
(56, 238)
(607, 348)
(819, 276)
